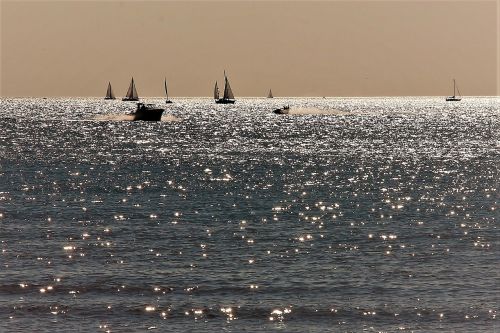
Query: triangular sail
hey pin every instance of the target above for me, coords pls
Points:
(166, 91)
(216, 91)
(228, 93)
(270, 95)
(132, 92)
(455, 87)
(109, 92)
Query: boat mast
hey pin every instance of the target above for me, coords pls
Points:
(225, 86)
(453, 87)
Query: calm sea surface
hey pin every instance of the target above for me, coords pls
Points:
(236, 219)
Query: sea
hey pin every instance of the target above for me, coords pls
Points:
(348, 215)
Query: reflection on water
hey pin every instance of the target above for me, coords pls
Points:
(235, 218)
(129, 117)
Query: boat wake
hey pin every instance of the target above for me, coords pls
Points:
(115, 117)
(170, 118)
(315, 111)
(129, 117)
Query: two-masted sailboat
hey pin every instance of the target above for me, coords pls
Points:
(454, 98)
(109, 92)
(168, 101)
(131, 93)
(270, 95)
(228, 97)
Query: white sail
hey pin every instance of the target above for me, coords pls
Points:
(270, 95)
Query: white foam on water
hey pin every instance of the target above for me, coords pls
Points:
(115, 117)
(129, 117)
(316, 111)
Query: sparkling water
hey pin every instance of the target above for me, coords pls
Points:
(380, 217)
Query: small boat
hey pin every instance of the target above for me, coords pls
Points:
(283, 110)
(270, 95)
(228, 97)
(454, 98)
(131, 93)
(109, 92)
(168, 101)
(147, 112)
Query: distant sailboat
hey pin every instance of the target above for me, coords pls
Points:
(228, 97)
(270, 95)
(109, 93)
(168, 101)
(131, 93)
(454, 98)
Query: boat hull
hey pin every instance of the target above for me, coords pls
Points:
(282, 111)
(168, 101)
(453, 99)
(147, 114)
(109, 98)
(225, 101)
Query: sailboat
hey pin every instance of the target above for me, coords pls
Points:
(454, 98)
(166, 93)
(131, 93)
(228, 97)
(270, 95)
(109, 93)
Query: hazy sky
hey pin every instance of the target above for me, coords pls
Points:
(297, 48)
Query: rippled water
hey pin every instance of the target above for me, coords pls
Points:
(235, 219)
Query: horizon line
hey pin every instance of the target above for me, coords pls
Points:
(265, 97)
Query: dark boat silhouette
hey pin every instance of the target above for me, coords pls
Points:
(147, 112)
(283, 110)
(228, 97)
(131, 93)
(168, 101)
(109, 92)
(270, 95)
(454, 98)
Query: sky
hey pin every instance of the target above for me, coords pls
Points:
(297, 48)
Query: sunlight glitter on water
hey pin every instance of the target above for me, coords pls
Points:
(390, 210)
